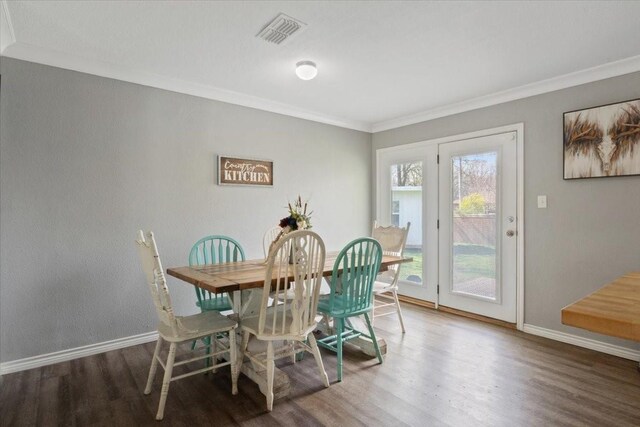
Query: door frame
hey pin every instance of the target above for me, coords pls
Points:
(518, 128)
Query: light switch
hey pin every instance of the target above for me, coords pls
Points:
(542, 202)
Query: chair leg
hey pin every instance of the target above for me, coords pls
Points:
(373, 337)
(214, 349)
(233, 359)
(242, 350)
(327, 321)
(166, 380)
(154, 366)
(207, 350)
(293, 350)
(339, 330)
(270, 373)
(299, 356)
(395, 295)
(316, 355)
(373, 309)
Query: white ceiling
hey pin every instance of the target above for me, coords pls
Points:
(381, 64)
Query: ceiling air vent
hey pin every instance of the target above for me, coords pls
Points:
(281, 29)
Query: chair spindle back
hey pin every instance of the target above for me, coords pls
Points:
(354, 273)
(152, 267)
(269, 237)
(215, 250)
(392, 240)
(295, 314)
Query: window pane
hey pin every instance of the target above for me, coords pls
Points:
(474, 224)
(395, 212)
(406, 206)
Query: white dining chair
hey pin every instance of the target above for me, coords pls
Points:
(287, 327)
(177, 329)
(268, 238)
(385, 289)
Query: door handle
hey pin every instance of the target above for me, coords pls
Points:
(510, 233)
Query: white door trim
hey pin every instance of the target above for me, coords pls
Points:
(519, 129)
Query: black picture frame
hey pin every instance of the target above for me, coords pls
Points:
(591, 155)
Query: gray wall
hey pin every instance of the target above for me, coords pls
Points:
(86, 161)
(590, 233)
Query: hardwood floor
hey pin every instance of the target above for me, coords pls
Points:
(445, 371)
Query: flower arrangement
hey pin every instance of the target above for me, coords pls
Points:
(298, 218)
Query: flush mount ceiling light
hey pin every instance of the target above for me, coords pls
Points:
(306, 70)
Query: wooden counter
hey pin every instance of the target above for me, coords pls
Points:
(612, 310)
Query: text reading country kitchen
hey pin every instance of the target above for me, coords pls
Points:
(237, 171)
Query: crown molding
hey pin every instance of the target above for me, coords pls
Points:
(6, 30)
(31, 53)
(600, 72)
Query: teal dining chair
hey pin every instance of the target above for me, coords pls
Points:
(354, 273)
(214, 250)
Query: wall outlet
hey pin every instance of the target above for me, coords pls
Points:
(542, 202)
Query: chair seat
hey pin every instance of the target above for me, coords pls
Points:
(340, 305)
(382, 287)
(251, 325)
(196, 326)
(221, 303)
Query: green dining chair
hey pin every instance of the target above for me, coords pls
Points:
(354, 273)
(214, 250)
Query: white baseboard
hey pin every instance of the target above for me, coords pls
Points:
(615, 350)
(75, 353)
(89, 350)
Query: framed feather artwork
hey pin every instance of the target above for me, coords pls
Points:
(602, 141)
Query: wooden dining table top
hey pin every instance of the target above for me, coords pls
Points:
(250, 274)
(611, 310)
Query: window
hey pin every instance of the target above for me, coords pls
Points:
(406, 206)
(395, 213)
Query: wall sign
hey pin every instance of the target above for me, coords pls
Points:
(237, 171)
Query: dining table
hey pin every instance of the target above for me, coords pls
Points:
(244, 282)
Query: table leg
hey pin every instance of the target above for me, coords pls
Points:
(247, 303)
(281, 382)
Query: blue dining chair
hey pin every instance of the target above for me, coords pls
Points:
(214, 250)
(354, 273)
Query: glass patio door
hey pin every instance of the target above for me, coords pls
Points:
(477, 212)
(407, 192)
